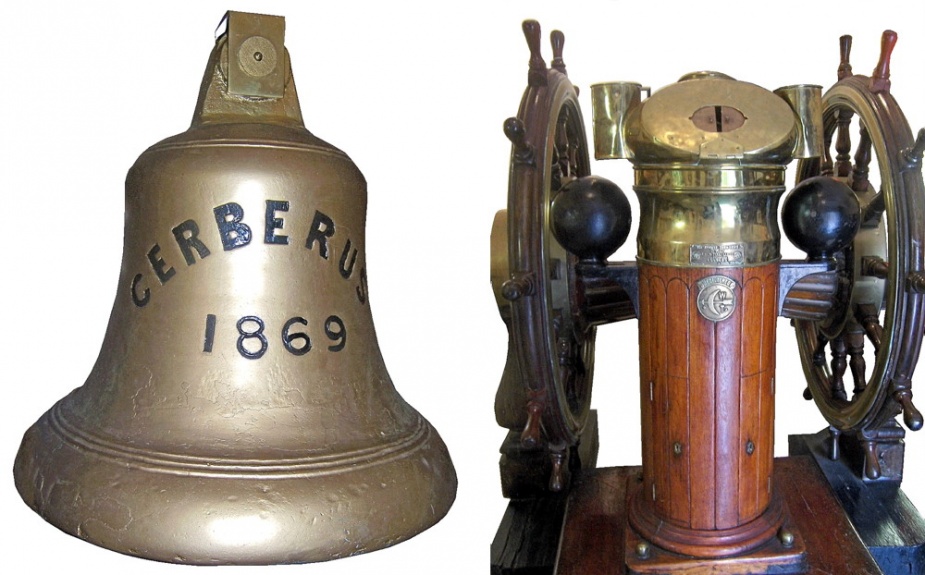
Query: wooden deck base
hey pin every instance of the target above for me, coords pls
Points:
(593, 535)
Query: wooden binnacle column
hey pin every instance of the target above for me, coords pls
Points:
(708, 290)
(707, 395)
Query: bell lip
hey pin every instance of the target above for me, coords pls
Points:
(197, 519)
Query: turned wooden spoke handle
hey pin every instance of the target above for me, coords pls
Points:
(871, 461)
(531, 436)
(880, 79)
(911, 415)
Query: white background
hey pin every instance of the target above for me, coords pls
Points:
(416, 93)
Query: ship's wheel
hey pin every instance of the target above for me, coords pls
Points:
(878, 307)
(534, 277)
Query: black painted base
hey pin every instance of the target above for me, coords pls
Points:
(887, 522)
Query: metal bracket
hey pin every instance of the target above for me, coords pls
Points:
(792, 271)
(256, 54)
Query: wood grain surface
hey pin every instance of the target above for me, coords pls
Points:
(707, 392)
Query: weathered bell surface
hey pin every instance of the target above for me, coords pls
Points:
(240, 410)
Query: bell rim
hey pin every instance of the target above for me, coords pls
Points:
(171, 516)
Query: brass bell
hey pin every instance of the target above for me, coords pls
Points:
(240, 410)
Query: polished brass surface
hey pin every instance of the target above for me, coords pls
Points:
(709, 155)
(712, 178)
(240, 410)
(609, 105)
(806, 102)
(664, 128)
(695, 217)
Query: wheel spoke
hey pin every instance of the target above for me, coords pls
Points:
(555, 170)
(874, 267)
(873, 209)
(819, 352)
(843, 144)
(826, 169)
(854, 338)
(859, 182)
(869, 318)
(563, 145)
(839, 366)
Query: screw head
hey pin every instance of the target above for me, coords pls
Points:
(643, 550)
(786, 537)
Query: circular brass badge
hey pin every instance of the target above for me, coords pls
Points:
(717, 298)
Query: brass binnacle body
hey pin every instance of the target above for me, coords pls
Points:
(705, 216)
(240, 410)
